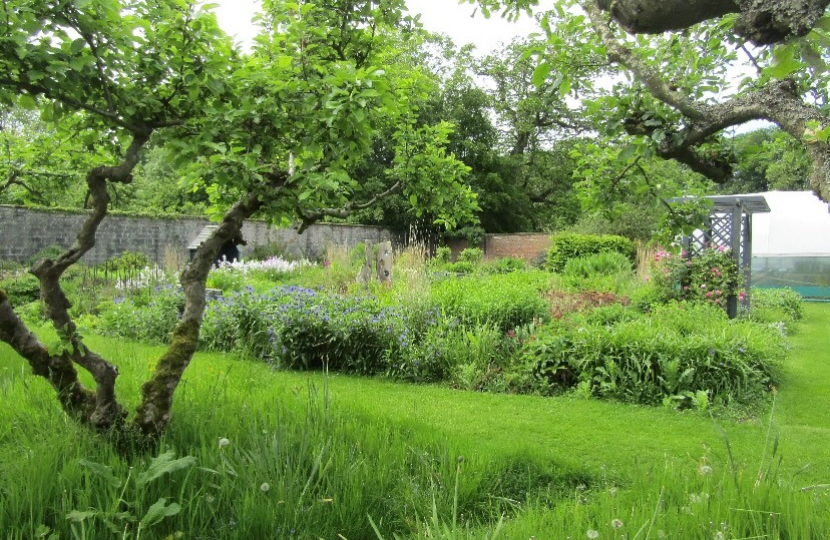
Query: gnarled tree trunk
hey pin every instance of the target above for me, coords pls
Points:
(761, 21)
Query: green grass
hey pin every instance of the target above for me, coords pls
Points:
(336, 449)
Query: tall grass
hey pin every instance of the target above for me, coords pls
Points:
(293, 456)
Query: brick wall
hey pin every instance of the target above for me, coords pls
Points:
(528, 246)
(24, 232)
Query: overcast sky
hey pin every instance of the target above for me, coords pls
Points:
(445, 16)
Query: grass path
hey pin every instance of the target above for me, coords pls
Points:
(585, 436)
(803, 413)
(592, 435)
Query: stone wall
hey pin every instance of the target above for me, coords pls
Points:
(24, 232)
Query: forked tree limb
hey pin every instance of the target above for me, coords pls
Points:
(76, 400)
(100, 409)
(778, 101)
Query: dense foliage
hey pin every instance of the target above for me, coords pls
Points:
(684, 355)
(567, 246)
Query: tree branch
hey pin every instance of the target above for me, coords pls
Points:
(617, 52)
(306, 220)
(51, 93)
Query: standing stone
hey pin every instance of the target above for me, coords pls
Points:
(365, 274)
(385, 262)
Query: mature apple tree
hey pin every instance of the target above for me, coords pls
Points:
(272, 133)
(689, 70)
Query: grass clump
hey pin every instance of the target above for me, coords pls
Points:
(506, 301)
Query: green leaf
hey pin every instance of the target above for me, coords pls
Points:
(27, 102)
(102, 471)
(540, 74)
(160, 510)
(78, 516)
(413, 200)
(80, 62)
(164, 464)
(77, 45)
(565, 86)
(785, 62)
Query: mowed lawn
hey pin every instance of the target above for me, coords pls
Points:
(378, 430)
(586, 435)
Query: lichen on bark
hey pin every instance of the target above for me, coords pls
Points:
(154, 412)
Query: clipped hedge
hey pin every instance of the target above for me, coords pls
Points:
(567, 246)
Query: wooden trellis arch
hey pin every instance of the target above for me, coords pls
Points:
(729, 225)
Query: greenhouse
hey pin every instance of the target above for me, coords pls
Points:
(791, 244)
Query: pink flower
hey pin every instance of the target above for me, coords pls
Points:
(721, 248)
(742, 296)
(685, 287)
(709, 294)
(718, 292)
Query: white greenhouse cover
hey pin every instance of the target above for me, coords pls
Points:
(798, 225)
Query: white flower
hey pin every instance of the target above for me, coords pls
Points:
(617, 523)
(593, 534)
(223, 442)
(264, 487)
(705, 469)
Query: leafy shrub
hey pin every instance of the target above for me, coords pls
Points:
(21, 289)
(506, 301)
(301, 328)
(647, 297)
(600, 264)
(784, 304)
(32, 312)
(461, 267)
(471, 255)
(149, 318)
(567, 246)
(49, 252)
(666, 357)
(505, 265)
(127, 262)
(225, 280)
(710, 277)
(443, 255)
